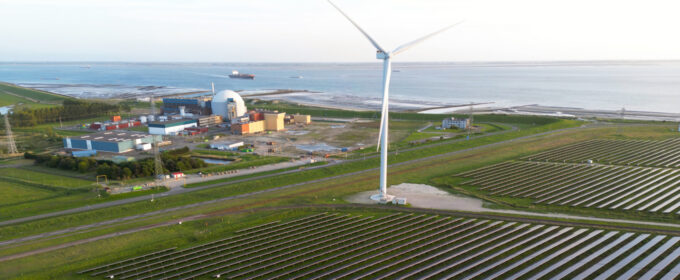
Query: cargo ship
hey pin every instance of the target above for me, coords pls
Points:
(236, 75)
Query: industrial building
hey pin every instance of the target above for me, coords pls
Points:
(211, 120)
(302, 119)
(197, 105)
(229, 105)
(453, 122)
(273, 121)
(110, 141)
(171, 127)
(227, 146)
(248, 127)
(256, 116)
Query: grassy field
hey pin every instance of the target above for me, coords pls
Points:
(18, 96)
(262, 184)
(224, 217)
(38, 95)
(66, 261)
(44, 178)
(34, 190)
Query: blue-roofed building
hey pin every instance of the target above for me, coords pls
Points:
(197, 105)
(110, 141)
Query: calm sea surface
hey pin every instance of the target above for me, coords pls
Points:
(648, 86)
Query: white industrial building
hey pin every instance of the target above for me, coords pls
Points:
(453, 122)
(227, 146)
(171, 127)
(229, 105)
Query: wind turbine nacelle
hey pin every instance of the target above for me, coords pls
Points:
(381, 55)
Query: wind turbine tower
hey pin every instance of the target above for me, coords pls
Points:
(11, 146)
(386, 56)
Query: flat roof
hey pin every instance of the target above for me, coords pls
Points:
(170, 122)
(112, 136)
(226, 143)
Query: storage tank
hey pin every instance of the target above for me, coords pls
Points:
(225, 101)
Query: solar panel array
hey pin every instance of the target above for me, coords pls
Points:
(600, 186)
(664, 153)
(406, 246)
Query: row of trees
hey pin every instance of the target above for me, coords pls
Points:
(70, 110)
(173, 161)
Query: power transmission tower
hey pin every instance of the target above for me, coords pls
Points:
(469, 127)
(11, 146)
(153, 105)
(623, 117)
(158, 163)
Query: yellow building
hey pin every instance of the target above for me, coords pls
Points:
(256, 126)
(303, 119)
(273, 121)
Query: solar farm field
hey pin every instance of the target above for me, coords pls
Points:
(583, 185)
(664, 153)
(634, 175)
(406, 246)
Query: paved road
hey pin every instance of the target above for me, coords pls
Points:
(176, 191)
(425, 127)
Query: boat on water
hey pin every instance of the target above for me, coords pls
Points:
(236, 75)
(296, 77)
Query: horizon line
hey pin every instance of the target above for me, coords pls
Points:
(343, 62)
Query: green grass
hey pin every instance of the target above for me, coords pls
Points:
(91, 254)
(12, 193)
(33, 94)
(261, 184)
(231, 179)
(225, 154)
(44, 178)
(246, 163)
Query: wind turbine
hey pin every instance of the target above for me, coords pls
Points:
(384, 118)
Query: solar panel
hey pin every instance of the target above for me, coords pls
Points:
(629, 258)
(663, 264)
(610, 257)
(522, 251)
(543, 260)
(650, 258)
(574, 255)
(538, 253)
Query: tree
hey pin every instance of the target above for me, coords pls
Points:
(127, 173)
(83, 166)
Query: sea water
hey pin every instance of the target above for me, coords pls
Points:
(635, 85)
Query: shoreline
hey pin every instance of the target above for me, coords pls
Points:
(361, 104)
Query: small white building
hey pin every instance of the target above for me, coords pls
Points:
(453, 122)
(227, 146)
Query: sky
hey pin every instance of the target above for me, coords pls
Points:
(312, 31)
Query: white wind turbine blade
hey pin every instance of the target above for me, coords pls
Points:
(408, 45)
(375, 44)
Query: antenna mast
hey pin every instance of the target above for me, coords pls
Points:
(11, 146)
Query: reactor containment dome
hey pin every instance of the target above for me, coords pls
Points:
(228, 104)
